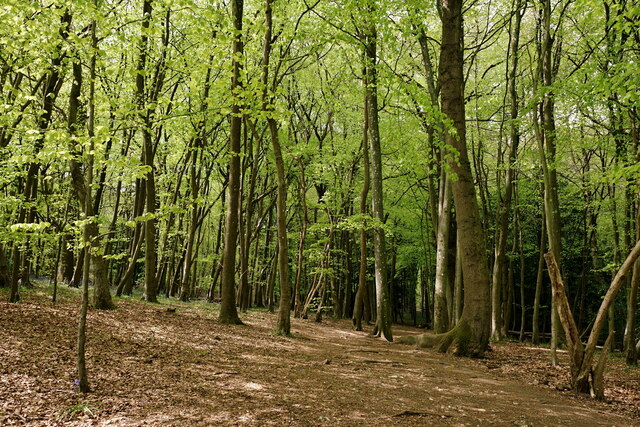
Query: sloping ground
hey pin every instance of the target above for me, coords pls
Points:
(149, 366)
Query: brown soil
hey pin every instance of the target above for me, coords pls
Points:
(149, 366)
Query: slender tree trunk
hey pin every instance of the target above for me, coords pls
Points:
(82, 187)
(52, 87)
(440, 304)
(631, 350)
(523, 305)
(303, 236)
(89, 227)
(228, 311)
(150, 252)
(185, 289)
(498, 325)
(383, 303)
(361, 305)
(283, 324)
(546, 138)
(535, 338)
(631, 353)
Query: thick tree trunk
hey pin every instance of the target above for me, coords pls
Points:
(471, 334)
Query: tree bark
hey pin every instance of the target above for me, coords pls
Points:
(470, 336)
(498, 325)
(383, 303)
(361, 305)
(303, 235)
(228, 311)
(582, 359)
(472, 331)
(440, 305)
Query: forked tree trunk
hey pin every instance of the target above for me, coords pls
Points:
(584, 378)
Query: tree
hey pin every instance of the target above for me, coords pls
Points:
(498, 327)
(470, 336)
(383, 304)
(228, 312)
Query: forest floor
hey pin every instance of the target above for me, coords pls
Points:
(150, 366)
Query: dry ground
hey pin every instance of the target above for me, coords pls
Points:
(149, 366)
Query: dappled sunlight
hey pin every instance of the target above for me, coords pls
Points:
(150, 366)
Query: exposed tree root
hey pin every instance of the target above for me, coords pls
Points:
(458, 341)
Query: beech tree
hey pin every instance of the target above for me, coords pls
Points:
(374, 160)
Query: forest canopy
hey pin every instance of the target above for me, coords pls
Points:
(385, 161)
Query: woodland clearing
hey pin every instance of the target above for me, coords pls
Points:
(152, 366)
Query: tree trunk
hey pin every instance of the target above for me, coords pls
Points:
(185, 289)
(631, 353)
(471, 334)
(228, 311)
(581, 359)
(498, 325)
(631, 350)
(82, 188)
(383, 304)
(440, 304)
(303, 235)
(361, 305)
(145, 113)
(52, 88)
(546, 138)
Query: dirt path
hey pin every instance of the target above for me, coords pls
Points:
(153, 367)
